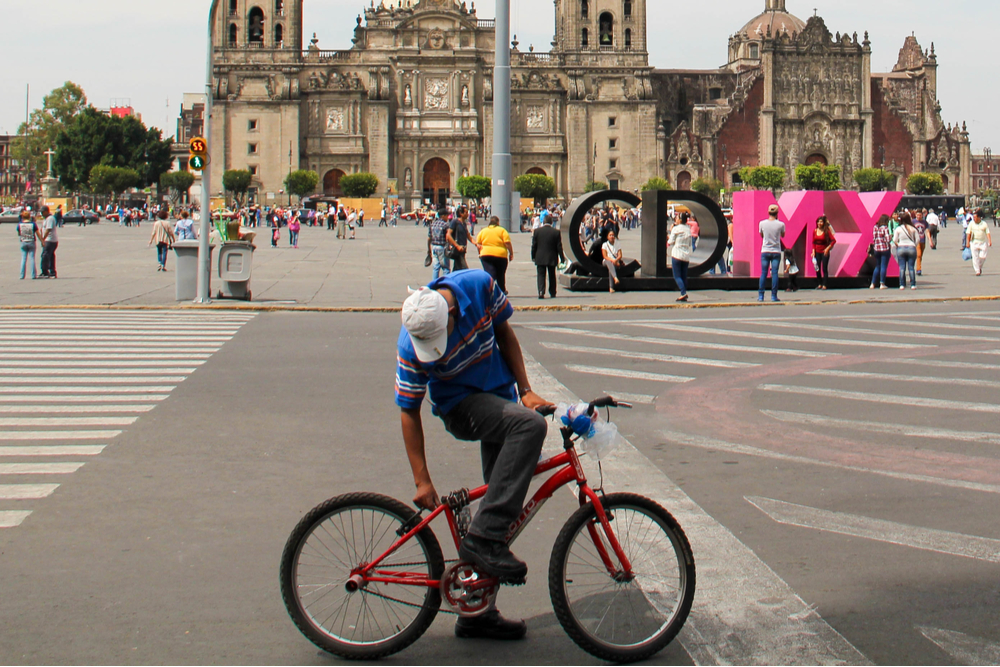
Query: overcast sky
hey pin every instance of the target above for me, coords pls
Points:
(152, 51)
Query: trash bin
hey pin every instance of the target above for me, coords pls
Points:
(235, 264)
(187, 269)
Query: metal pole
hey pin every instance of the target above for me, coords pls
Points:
(502, 176)
(204, 229)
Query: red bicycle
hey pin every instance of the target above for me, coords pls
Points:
(363, 576)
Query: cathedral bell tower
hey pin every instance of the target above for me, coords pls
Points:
(601, 26)
(271, 25)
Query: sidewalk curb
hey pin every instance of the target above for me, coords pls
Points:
(262, 308)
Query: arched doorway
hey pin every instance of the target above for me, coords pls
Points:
(684, 181)
(536, 170)
(331, 183)
(817, 158)
(437, 181)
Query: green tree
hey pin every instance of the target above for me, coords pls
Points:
(474, 187)
(177, 183)
(535, 186)
(710, 187)
(237, 182)
(818, 177)
(595, 186)
(921, 183)
(301, 182)
(59, 108)
(763, 178)
(95, 138)
(360, 185)
(655, 183)
(105, 180)
(874, 180)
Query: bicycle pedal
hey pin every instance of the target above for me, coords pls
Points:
(514, 582)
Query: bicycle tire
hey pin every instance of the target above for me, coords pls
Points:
(584, 595)
(313, 561)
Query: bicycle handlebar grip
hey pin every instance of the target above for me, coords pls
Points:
(546, 410)
(606, 402)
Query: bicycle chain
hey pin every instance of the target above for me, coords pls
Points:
(404, 602)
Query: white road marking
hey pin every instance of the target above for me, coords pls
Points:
(124, 359)
(634, 375)
(13, 518)
(876, 332)
(883, 427)
(59, 398)
(989, 384)
(743, 612)
(67, 421)
(933, 363)
(50, 379)
(648, 356)
(124, 329)
(637, 399)
(39, 468)
(138, 389)
(26, 491)
(907, 401)
(880, 530)
(776, 337)
(676, 317)
(59, 435)
(53, 450)
(76, 339)
(930, 325)
(72, 409)
(988, 318)
(746, 450)
(83, 371)
(127, 348)
(965, 650)
(680, 343)
(95, 366)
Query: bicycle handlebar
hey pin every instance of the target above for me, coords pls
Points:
(606, 402)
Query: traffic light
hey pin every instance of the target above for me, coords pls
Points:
(199, 154)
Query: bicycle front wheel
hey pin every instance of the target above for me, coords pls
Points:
(376, 619)
(617, 618)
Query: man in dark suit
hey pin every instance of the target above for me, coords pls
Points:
(546, 253)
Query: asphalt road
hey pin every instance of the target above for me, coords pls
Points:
(835, 468)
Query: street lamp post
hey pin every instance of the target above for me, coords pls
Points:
(502, 172)
(204, 263)
(882, 183)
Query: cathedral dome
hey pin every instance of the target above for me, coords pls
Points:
(775, 19)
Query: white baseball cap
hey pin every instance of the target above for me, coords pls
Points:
(425, 316)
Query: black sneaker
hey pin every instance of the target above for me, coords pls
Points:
(490, 625)
(492, 558)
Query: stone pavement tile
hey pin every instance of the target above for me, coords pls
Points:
(107, 264)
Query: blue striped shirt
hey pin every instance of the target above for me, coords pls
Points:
(472, 364)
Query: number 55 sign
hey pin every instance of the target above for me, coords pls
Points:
(199, 153)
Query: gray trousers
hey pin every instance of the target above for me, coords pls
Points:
(512, 438)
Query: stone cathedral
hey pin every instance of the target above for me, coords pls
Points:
(412, 101)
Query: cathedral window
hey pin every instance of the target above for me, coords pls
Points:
(251, 149)
(585, 9)
(252, 126)
(612, 121)
(613, 163)
(233, 7)
(628, 38)
(233, 35)
(279, 35)
(255, 28)
(613, 144)
(607, 26)
(715, 93)
(585, 38)
(627, 9)
(252, 169)
(279, 7)
(754, 52)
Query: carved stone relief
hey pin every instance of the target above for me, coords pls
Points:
(335, 119)
(535, 118)
(436, 94)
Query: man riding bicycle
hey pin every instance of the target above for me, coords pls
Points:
(457, 342)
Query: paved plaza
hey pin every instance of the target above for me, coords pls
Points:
(107, 264)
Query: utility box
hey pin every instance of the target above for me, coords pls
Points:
(235, 266)
(187, 269)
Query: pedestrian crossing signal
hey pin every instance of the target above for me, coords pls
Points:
(199, 153)
(197, 163)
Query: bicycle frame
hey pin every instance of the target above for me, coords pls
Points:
(570, 470)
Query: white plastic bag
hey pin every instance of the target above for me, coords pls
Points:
(605, 439)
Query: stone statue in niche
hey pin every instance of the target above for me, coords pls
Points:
(465, 96)
(465, 172)
(335, 120)
(436, 94)
(536, 118)
(408, 178)
(407, 96)
(488, 88)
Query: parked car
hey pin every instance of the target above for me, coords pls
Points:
(11, 214)
(413, 216)
(76, 216)
(112, 216)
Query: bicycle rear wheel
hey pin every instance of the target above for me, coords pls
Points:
(377, 619)
(609, 617)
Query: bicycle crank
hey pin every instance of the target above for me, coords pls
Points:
(467, 592)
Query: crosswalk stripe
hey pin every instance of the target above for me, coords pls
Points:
(67, 421)
(137, 389)
(637, 399)
(679, 343)
(649, 356)
(72, 409)
(26, 491)
(59, 398)
(879, 530)
(883, 427)
(39, 468)
(13, 518)
(92, 366)
(932, 325)
(907, 378)
(988, 318)
(117, 338)
(963, 649)
(756, 452)
(53, 450)
(775, 337)
(623, 374)
(125, 328)
(875, 332)
(83, 371)
(906, 401)
(130, 348)
(107, 357)
(101, 379)
(934, 363)
(59, 435)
